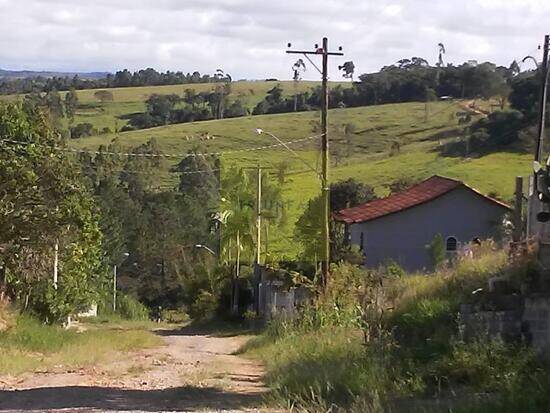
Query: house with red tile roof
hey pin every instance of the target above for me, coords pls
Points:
(401, 226)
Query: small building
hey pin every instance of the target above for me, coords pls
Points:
(401, 226)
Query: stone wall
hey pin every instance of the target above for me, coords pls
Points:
(529, 322)
(505, 325)
(536, 318)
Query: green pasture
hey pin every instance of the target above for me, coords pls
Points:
(365, 155)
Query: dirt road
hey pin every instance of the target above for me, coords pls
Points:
(194, 371)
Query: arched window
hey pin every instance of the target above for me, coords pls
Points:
(451, 244)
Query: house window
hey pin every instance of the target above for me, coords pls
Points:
(451, 244)
(362, 241)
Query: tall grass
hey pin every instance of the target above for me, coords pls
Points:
(336, 355)
(29, 345)
(127, 308)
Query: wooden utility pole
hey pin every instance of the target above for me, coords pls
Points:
(518, 202)
(325, 188)
(114, 287)
(257, 270)
(235, 304)
(543, 96)
(258, 214)
(55, 263)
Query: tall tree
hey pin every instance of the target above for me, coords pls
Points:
(71, 103)
(45, 202)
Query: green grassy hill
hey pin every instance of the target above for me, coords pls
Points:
(369, 160)
(129, 100)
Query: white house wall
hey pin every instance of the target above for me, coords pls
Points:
(404, 236)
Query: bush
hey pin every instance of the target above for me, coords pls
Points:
(437, 250)
(128, 307)
(393, 270)
(175, 316)
(204, 307)
(82, 130)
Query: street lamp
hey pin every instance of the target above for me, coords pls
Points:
(125, 255)
(199, 246)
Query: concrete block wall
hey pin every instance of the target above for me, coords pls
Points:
(504, 325)
(529, 322)
(536, 316)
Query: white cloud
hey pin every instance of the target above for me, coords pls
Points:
(248, 38)
(392, 10)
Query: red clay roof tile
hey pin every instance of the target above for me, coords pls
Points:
(425, 191)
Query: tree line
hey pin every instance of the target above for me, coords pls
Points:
(408, 80)
(99, 210)
(122, 78)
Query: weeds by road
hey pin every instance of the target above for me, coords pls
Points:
(30, 346)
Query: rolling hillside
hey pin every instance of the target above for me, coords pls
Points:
(365, 155)
(130, 100)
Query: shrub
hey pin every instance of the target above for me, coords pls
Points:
(82, 130)
(393, 270)
(204, 307)
(130, 308)
(175, 316)
(437, 250)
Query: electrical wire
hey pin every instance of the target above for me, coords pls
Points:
(161, 155)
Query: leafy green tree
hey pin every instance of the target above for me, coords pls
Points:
(71, 103)
(236, 109)
(44, 202)
(54, 104)
(524, 95)
(160, 107)
(343, 194)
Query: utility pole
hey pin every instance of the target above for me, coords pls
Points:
(257, 269)
(55, 263)
(325, 188)
(114, 288)
(518, 203)
(258, 214)
(235, 289)
(543, 96)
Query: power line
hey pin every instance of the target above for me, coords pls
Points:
(161, 155)
(203, 171)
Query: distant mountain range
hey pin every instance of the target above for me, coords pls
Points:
(21, 74)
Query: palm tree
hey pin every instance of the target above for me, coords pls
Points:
(297, 68)
(349, 70)
(442, 51)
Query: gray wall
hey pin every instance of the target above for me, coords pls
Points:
(403, 236)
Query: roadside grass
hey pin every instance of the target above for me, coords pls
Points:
(29, 345)
(415, 362)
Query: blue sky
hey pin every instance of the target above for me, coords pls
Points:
(248, 38)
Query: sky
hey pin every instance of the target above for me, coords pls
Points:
(248, 39)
